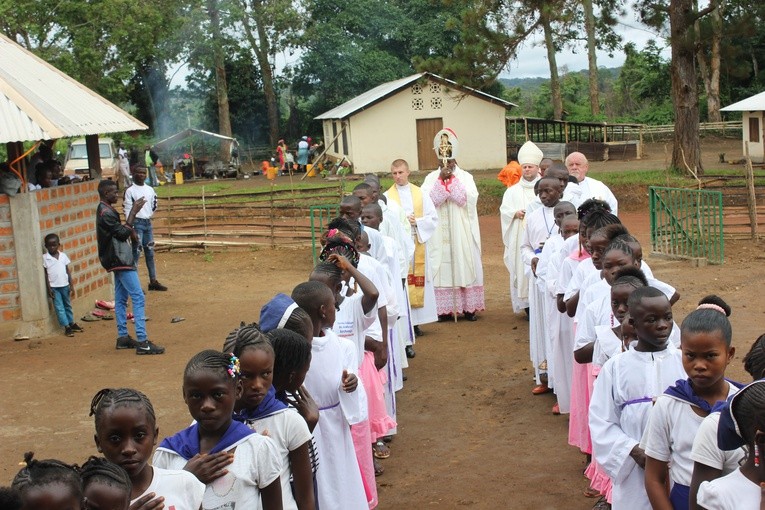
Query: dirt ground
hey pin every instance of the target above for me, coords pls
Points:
(470, 432)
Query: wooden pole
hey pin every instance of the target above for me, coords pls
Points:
(271, 213)
(204, 210)
(326, 148)
(526, 128)
(751, 199)
(640, 143)
(169, 218)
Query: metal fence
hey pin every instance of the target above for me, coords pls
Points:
(687, 223)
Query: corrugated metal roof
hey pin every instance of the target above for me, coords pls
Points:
(381, 92)
(750, 104)
(37, 101)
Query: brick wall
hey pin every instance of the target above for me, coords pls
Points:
(70, 212)
(10, 308)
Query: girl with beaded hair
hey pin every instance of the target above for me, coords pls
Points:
(259, 408)
(211, 387)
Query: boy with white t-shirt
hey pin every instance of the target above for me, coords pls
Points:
(59, 283)
(142, 224)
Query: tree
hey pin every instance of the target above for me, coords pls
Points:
(709, 67)
(270, 26)
(682, 16)
(221, 84)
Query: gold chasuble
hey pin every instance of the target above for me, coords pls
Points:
(416, 276)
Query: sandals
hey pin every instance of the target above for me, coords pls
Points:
(381, 450)
(379, 469)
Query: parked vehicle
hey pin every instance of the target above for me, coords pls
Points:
(77, 159)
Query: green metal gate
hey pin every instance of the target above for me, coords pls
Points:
(321, 215)
(687, 223)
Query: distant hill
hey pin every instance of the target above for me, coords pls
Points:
(528, 84)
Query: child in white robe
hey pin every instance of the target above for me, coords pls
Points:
(624, 393)
(540, 225)
(334, 386)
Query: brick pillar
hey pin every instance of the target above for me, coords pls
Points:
(35, 312)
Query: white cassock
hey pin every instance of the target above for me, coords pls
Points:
(516, 198)
(339, 483)
(593, 188)
(425, 228)
(624, 393)
(454, 250)
(558, 337)
(540, 225)
(396, 226)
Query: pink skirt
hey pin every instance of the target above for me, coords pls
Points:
(362, 443)
(374, 385)
(599, 480)
(578, 424)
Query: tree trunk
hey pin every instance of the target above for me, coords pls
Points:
(262, 49)
(713, 93)
(557, 100)
(589, 27)
(221, 83)
(686, 152)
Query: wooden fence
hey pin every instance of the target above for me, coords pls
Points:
(662, 131)
(743, 206)
(265, 217)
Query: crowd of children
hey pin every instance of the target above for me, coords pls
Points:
(295, 411)
(648, 401)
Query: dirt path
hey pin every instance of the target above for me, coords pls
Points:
(471, 434)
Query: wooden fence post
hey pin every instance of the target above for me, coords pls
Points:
(169, 218)
(204, 211)
(751, 198)
(271, 213)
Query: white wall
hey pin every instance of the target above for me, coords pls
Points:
(756, 150)
(388, 130)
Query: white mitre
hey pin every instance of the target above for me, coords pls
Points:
(530, 154)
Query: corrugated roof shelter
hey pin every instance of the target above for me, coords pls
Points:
(400, 118)
(753, 119)
(37, 101)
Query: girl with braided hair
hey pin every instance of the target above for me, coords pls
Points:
(710, 461)
(105, 485)
(678, 413)
(48, 485)
(211, 387)
(126, 433)
(260, 409)
(742, 423)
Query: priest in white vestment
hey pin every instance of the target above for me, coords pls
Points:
(423, 219)
(578, 166)
(513, 216)
(454, 250)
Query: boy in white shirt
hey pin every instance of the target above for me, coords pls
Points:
(142, 224)
(59, 283)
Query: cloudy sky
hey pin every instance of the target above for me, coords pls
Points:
(532, 58)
